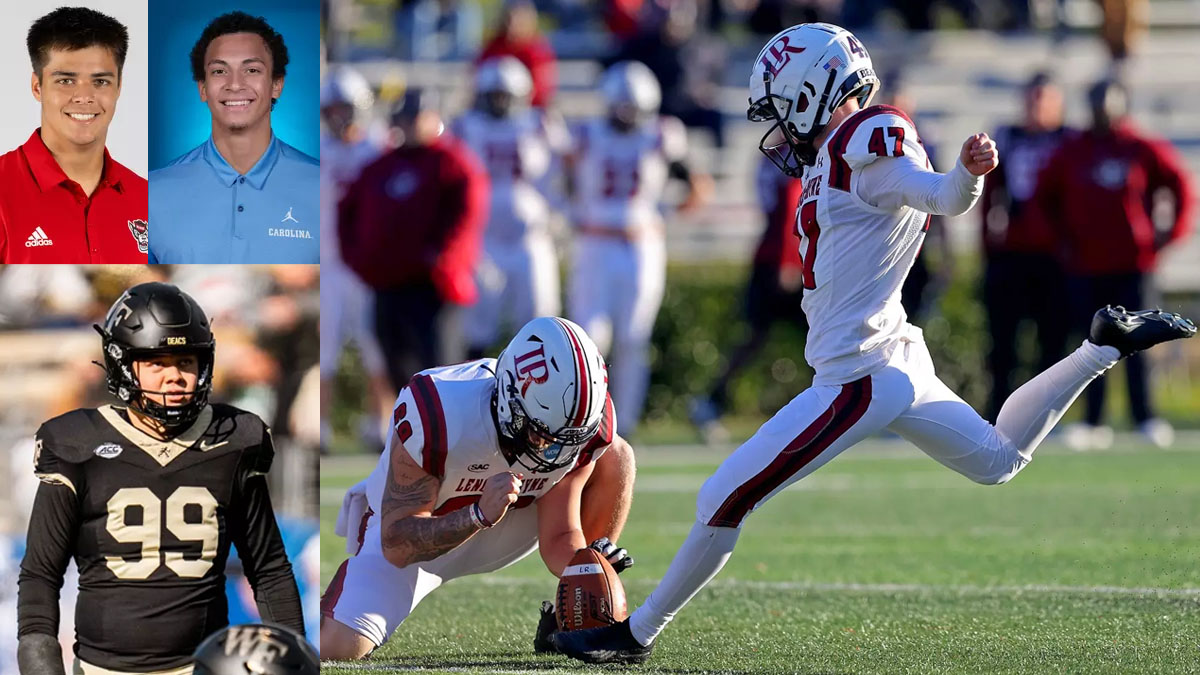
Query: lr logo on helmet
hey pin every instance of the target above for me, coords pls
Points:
(531, 367)
(780, 54)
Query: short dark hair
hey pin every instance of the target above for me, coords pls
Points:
(240, 22)
(73, 28)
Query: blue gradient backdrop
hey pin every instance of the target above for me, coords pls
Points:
(179, 121)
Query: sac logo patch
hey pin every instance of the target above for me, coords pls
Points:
(108, 450)
(478, 468)
(141, 234)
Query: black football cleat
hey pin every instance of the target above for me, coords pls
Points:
(608, 644)
(543, 641)
(1132, 332)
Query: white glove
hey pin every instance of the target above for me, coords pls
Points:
(349, 519)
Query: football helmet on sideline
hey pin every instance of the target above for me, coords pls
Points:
(156, 318)
(800, 77)
(552, 385)
(503, 85)
(631, 94)
(256, 648)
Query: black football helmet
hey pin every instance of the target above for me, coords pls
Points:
(255, 649)
(156, 318)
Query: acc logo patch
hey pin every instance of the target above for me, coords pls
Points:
(108, 450)
(141, 234)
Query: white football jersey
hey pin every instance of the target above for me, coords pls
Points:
(856, 255)
(445, 422)
(341, 163)
(620, 177)
(519, 154)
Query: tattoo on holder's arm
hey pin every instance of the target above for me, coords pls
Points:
(410, 533)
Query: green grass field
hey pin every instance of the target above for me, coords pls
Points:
(881, 562)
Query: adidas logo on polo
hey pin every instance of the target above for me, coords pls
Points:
(38, 238)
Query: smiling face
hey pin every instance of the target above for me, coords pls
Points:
(237, 85)
(78, 90)
(168, 379)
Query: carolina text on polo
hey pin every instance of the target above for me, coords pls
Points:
(46, 217)
(209, 213)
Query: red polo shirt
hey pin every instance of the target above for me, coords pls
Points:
(46, 217)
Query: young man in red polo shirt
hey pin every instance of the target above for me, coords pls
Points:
(63, 199)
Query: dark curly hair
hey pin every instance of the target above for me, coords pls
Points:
(240, 22)
(73, 28)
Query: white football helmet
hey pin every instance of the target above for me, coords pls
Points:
(631, 92)
(502, 84)
(551, 388)
(346, 85)
(800, 77)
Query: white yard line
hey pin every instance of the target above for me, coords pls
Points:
(959, 589)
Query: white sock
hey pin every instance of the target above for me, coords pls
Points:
(702, 555)
(1036, 406)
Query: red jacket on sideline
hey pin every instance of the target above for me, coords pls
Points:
(1096, 193)
(416, 215)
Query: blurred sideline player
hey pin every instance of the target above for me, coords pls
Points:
(772, 294)
(621, 166)
(472, 447)
(868, 194)
(345, 300)
(148, 498)
(1023, 278)
(518, 275)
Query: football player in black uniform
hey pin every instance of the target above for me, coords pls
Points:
(147, 497)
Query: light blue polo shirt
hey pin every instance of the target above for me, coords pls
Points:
(204, 211)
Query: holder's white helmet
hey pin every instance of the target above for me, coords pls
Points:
(631, 92)
(551, 388)
(799, 78)
(503, 85)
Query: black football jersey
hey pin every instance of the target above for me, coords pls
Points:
(149, 524)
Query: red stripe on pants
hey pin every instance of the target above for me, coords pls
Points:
(846, 410)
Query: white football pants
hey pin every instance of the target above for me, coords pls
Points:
(616, 290)
(517, 281)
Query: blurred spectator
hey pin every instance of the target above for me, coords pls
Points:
(520, 147)
(519, 37)
(346, 148)
(690, 83)
(411, 227)
(1098, 190)
(1023, 279)
(622, 166)
(437, 30)
(772, 295)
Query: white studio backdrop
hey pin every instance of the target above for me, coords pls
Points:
(21, 113)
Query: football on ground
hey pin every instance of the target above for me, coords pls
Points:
(589, 593)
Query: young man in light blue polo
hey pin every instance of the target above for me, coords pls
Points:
(243, 196)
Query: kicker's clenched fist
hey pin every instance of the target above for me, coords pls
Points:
(979, 155)
(499, 493)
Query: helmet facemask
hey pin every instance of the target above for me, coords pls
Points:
(784, 144)
(538, 448)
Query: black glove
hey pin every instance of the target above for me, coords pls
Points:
(543, 641)
(619, 558)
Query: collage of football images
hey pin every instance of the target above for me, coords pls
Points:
(312, 308)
